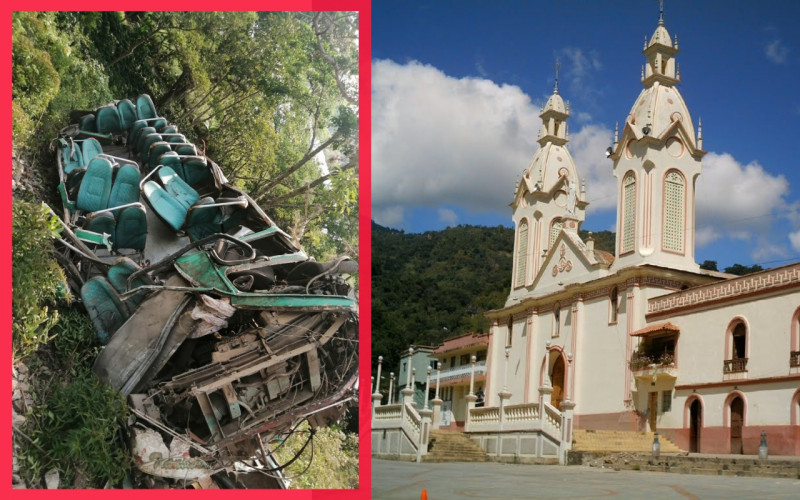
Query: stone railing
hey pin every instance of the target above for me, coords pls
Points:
(552, 419)
(485, 417)
(388, 413)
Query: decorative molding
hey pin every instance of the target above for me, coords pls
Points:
(761, 282)
(563, 265)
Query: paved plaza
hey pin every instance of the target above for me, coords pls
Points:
(393, 480)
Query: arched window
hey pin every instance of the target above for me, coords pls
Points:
(613, 305)
(736, 346)
(794, 350)
(674, 217)
(557, 321)
(522, 253)
(628, 213)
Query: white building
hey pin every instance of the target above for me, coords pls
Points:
(643, 339)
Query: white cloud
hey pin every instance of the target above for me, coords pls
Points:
(579, 69)
(777, 52)
(794, 238)
(706, 235)
(441, 140)
(588, 148)
(448, 216)
(391, 216)
(735, 200)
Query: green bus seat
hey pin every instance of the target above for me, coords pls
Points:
(127, 113)
(156, 150)
(104, 306)
(125, 188)
(101, 223)
(133, 135)
(108, 121)
(166, 206)
(91, 147)
(202, 221)
(145, 108)
(186, 150)
(131, 230)
(197, 172)
(118, 276)
(88, 123)
(139, 141)
(71, 156)
(177, 187)
(144, 151)
(172, 160)
(95, 187)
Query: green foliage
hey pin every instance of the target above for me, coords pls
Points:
(74, 341)
(709, 265)
(427, 287)
(335, 458)
(77, 431)
(35, 80)
(603, 240)
(741, 270)
(36, 277)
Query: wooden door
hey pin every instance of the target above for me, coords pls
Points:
(737, 422)
(653, 410)
(557, 378)
(695, 420)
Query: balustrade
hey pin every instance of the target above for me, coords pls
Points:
(735, 365)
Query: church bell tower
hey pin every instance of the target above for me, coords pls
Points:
(657, 161)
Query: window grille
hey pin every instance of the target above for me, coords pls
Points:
(628, 212)
(673, 211)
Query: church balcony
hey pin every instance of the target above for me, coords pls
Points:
(794, 359)
(650, 368)
(461, 374)
(737, 365)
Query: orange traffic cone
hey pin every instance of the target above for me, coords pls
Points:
(424, 495)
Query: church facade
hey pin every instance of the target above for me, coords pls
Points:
(643, 339)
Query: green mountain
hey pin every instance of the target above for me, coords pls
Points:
(434, 285)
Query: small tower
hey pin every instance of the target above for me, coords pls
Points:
(656, 162)
(548, 199)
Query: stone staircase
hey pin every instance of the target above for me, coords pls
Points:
(749, 466)
(450, 446)
(599, 441)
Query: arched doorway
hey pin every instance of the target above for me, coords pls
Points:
(737, 423)
(557, 381)
(695, 424)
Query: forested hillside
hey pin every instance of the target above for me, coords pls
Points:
(430, 286)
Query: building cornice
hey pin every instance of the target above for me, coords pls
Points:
(741, 288)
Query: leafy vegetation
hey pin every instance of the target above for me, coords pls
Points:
(427, 287)
(333, 455)
(36, 277)
(271, 97)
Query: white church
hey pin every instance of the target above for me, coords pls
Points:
(643, 339)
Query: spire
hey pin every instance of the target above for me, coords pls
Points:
(558, 66)
(660, 53)
(700, 133)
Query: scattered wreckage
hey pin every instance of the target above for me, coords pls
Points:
(221, 332)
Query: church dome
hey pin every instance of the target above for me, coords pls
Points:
(549, 164)
(555, 103)
(657, 107)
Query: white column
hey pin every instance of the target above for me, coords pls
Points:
(437, 403)
(504, 395)
(427, 388)
(376, 396)
(391, 386)
(471, 397)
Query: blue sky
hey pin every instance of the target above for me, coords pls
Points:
(457, 88)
